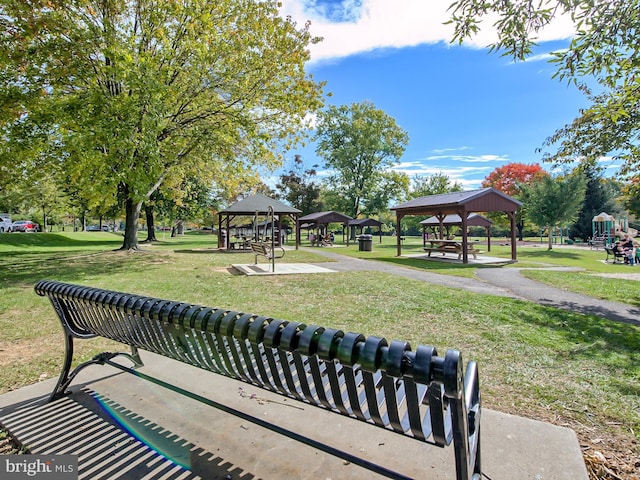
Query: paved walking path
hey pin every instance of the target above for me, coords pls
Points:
(499, 281)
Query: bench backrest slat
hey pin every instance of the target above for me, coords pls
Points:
(411, 393)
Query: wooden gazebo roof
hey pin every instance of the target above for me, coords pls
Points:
(461, 204)
(473, 220)
(367, 222)
(325, 218)
(258, 204)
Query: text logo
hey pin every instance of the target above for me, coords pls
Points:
(39, 467)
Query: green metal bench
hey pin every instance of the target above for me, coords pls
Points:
(417, 393)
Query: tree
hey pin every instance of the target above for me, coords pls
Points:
(599, 197)
(422, 186)
(393, 187)
(510, 179)
(432, 185)
(299, 189)
(359, 143)
(631, 196)
(605, 48)
(135, 90)
(552, 201)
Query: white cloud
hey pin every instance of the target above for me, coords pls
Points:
(470, 158)
(468, 177)
(351, 26)
(444, 150)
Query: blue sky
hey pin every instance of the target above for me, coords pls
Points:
(467, 111)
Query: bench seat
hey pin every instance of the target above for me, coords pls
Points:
(417, 393)
(611, 252)
(265, 250)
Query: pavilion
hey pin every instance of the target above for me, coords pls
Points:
(254, 206)
(474, 220)
(321, 220)
(462, 204)
(365, 222)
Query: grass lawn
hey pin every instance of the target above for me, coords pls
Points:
(566, 368)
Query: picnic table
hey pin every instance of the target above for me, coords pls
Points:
(240, 244)
(449, 246)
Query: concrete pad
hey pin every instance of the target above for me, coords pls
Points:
(125, 427)
(281, 269)
(453, 258)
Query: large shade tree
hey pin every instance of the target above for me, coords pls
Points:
(600, 196)
(605, 48)
(511, 179)
(554, 201)
(422, 186)
(298, 187)
(360, 143)
(135, 90)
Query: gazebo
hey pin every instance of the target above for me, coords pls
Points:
(256, 205)
(320, 220)
(461, 204)
(366, 222)
(474, 220)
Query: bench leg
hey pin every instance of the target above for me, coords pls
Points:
(66, 377)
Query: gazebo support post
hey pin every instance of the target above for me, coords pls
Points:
(512, 218)
(465, 241)
(488, 239)
(398, 234)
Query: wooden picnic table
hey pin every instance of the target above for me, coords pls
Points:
(449, 246)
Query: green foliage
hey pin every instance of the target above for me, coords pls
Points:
(510, 179)
(360, 143)
(435, 184)
(299, 189)
(422, 186)
(135, 92)
(599, 197)
(631, 196)
(605, 48)
(554, 201)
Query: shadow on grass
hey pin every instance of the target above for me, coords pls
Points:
(66, 267)
(551, 254)
(594, 338)
(425, 264)
(53, 240)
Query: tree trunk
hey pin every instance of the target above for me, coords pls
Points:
(151, 228)
(132, 211)
(180, 226)
(550, 230)
(520, 228)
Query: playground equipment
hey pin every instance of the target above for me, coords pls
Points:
(606, 228)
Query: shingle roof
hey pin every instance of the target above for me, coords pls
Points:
(473, 220)
(324, 218)
(260, 203)
(490, 198)
(365, 222)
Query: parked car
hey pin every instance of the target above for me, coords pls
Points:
(97, 228)
(5, 223)
(25, 226)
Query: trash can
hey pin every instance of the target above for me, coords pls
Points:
(365, 242)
